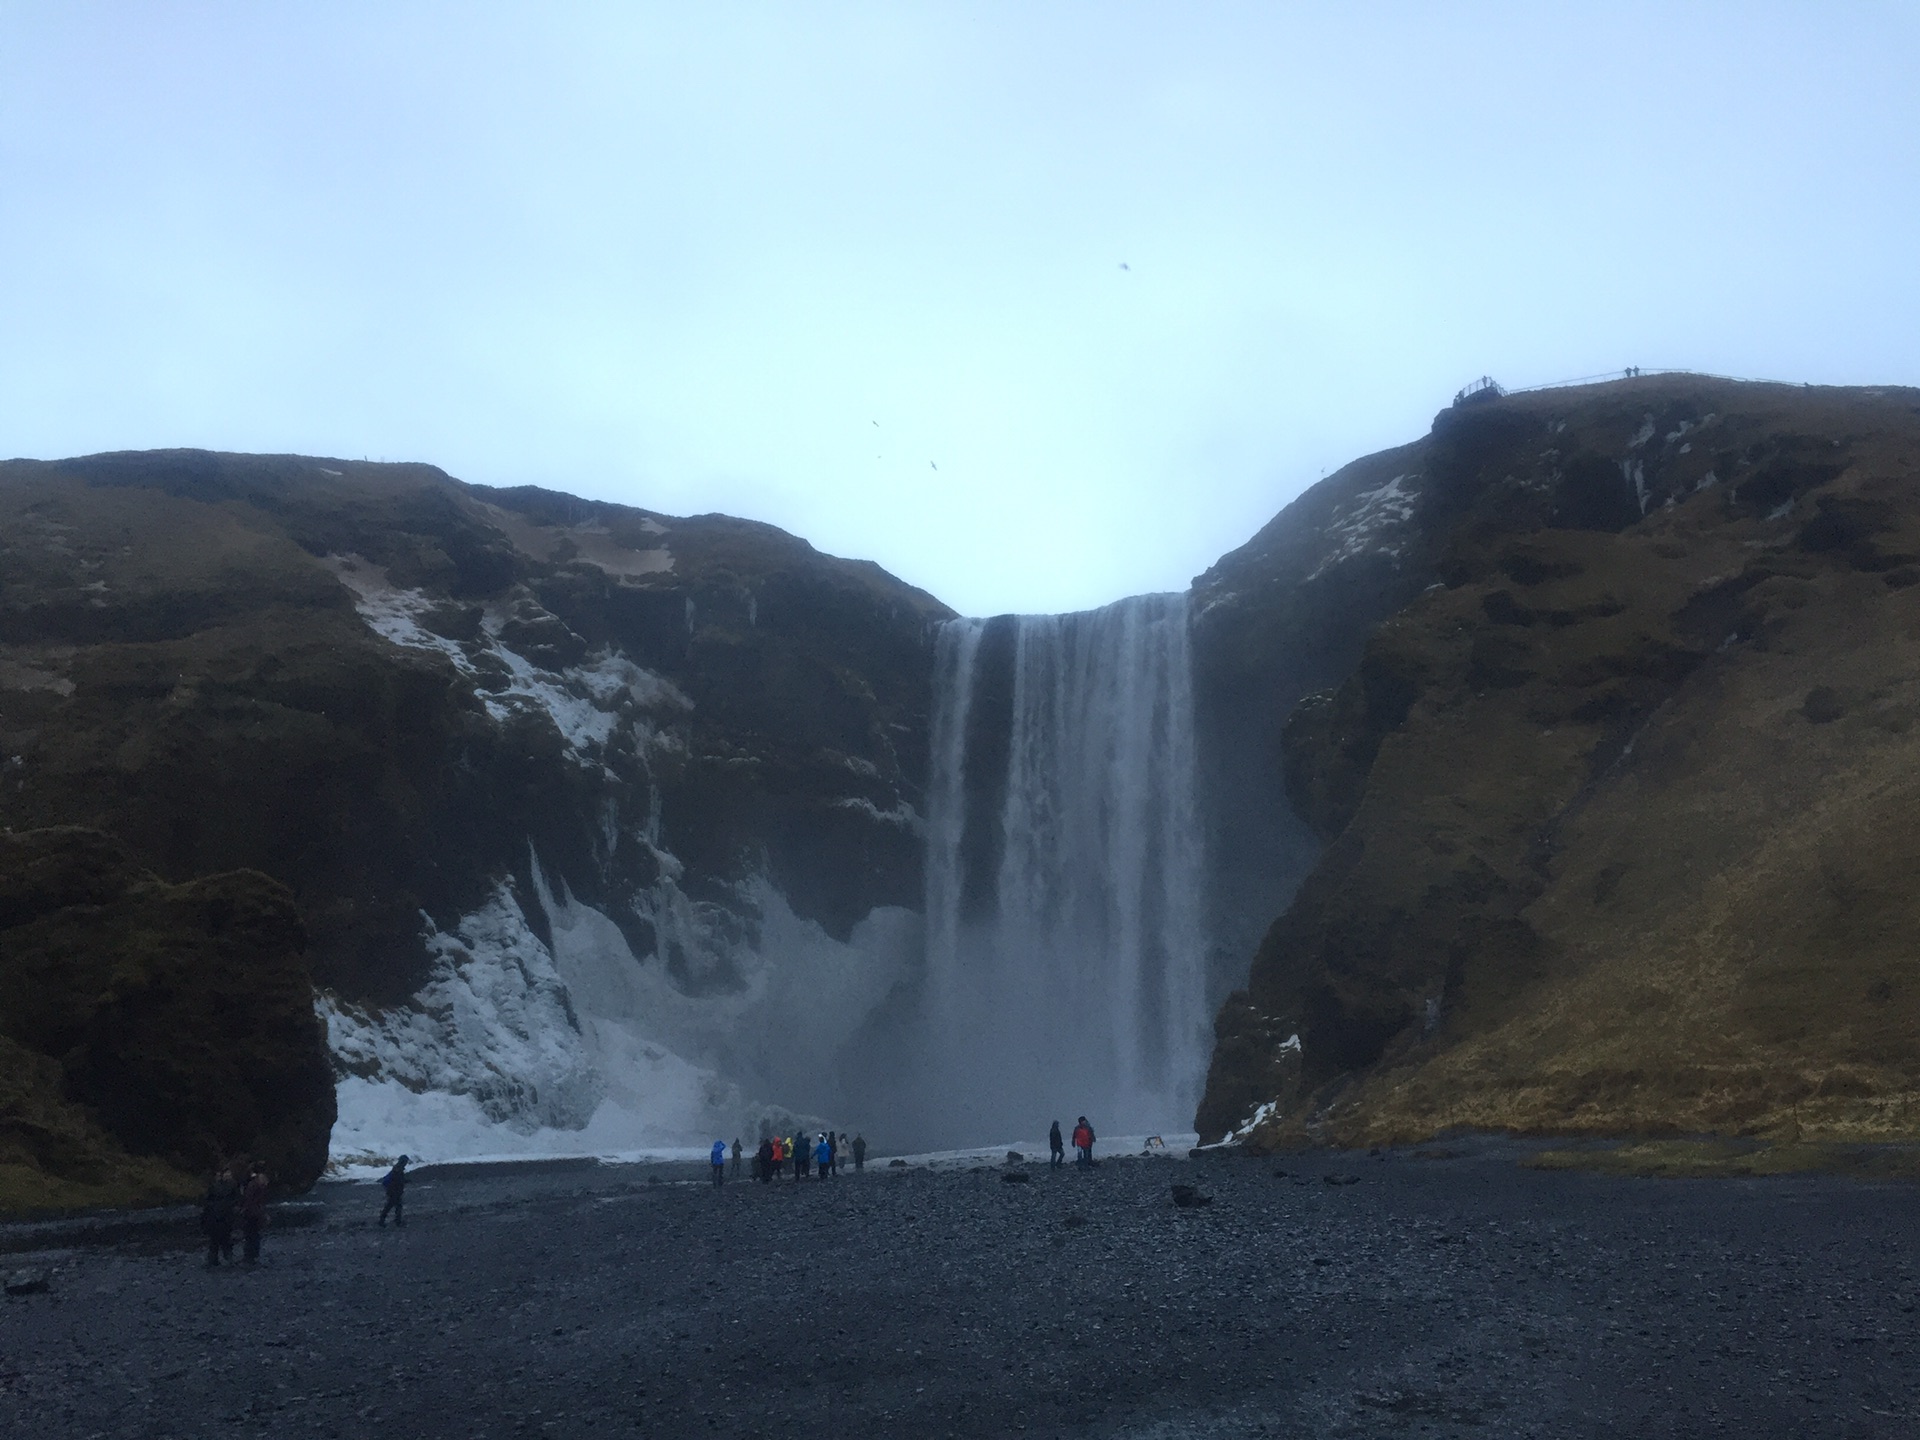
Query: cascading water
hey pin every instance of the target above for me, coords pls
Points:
(1066, 953)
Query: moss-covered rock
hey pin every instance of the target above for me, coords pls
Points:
(1614, 810)
(152, 1029)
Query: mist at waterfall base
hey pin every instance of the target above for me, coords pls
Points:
(1065, 953)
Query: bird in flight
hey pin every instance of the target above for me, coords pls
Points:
(1125, 266)
(934, 466)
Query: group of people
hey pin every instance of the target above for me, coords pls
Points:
(1082, 1141)
(820, 1155)
(230, 1200)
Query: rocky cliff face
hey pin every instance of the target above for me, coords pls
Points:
(1616, 804)
(1283, 617)
(523, 761)
(150, 1031)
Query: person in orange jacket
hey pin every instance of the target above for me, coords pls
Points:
(1083, 1141)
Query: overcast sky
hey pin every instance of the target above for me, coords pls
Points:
(1130, 279)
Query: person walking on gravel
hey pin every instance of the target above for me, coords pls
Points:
(253, 1211)
(394, 1182)
(1083, 1141)
(719, 1162)
(1056, 1148)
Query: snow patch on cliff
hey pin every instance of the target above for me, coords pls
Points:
(1366, 522)
(390, 611)
(903, 814)
(584, 701)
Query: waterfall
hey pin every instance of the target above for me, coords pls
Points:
(1066, 953)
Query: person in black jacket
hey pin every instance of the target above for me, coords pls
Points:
(1055, 1146)
(395, 1183)
(216, 1216)
(859, 1152)
(253, 1210)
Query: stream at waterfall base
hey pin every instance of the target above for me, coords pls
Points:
(1443, 1292)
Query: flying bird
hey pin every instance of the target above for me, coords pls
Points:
(1125, 266)
(934, 466)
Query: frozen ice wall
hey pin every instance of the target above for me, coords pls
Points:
(1066, 954)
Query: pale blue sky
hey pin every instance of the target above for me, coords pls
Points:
(686, 256)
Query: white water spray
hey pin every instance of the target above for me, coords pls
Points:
(1066, 954)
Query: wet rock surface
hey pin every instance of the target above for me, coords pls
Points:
(1461, 1296)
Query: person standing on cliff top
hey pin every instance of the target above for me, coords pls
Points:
(799, 1155)
(736, 1157)
(718, 1159)
(823, 1155)
(1055, 1147)
(394, 1182)
(859, 1152)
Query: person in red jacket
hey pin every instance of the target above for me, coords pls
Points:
(1083, 1141)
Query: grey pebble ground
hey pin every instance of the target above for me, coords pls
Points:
(1459, 1296)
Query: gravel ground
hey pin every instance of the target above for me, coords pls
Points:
(1452, 1296)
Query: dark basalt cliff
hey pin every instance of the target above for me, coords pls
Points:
(1281, 618)
(149, 1030)
(390, 691)
(1618, 801)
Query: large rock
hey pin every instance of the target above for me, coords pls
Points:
(144, 1021)
(1615, 813)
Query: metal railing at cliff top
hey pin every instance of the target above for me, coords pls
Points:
(1640, 372)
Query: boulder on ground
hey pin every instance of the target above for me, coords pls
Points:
(29, 1282)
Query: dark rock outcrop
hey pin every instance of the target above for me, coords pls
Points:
(149, 1022)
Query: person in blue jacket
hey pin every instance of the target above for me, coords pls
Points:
(823, 1155)
(719, 1163)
